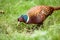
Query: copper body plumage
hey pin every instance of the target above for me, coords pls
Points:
(38, 14)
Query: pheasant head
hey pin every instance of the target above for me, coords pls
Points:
(23, 18)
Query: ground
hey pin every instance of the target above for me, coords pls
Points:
(14, 8)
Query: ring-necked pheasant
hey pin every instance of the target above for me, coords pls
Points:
(37, 14)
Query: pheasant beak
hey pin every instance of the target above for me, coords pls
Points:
(18, 23)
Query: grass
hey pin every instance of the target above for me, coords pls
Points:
(14, 8)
